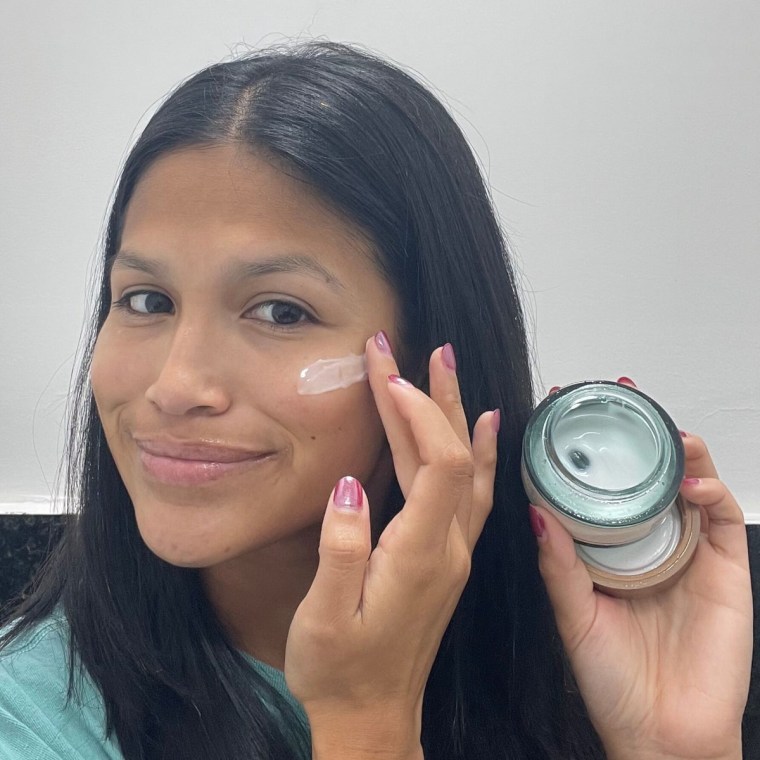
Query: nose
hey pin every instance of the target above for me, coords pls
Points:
(191, 378)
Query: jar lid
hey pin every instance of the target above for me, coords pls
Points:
(649, 565)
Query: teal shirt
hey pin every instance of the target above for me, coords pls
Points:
(36, 722)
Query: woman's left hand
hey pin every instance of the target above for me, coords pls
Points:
(664, 676)
(363, 640)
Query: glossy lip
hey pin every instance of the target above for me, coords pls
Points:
(194, 463)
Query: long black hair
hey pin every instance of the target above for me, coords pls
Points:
(378, 146)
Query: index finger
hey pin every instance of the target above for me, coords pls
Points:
(444, 390)
(444, 479)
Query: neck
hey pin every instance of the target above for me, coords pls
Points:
(256, 595)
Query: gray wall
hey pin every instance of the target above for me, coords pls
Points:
(620, 140)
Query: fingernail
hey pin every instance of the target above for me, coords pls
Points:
(553, 389)
(383, 344)
(537, 523)
(348, 494)
(496, 420)
(691, 481)
(449, 360)
(626, 381)
(399, 381)
(683, 434)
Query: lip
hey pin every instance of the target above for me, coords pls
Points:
(195, 463)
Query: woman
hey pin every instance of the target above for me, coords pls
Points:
(310, 204)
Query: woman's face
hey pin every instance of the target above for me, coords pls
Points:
(230, 279)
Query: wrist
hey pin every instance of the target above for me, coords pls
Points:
(364, 735)
(655, 756)
(335, 744)
(732, 753)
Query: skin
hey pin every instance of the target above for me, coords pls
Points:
(290, 567)
(217, 370)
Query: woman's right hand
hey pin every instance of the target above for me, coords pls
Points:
(363, 641)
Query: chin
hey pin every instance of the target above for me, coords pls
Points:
(184, 538)
(181, 553)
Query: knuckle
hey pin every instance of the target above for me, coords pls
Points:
(343, 548)
(697, 445)
(453, 571)
(453, 400)
(427, 573)
(488, 459)
(457, 461)
(318, 629)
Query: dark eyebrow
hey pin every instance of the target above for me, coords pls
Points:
(130, 260)
(297, 263)
(287, 263)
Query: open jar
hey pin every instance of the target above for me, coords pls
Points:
(608, 462)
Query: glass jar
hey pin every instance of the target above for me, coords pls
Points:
(608, 461)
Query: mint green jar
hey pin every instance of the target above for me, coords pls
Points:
(608, 462)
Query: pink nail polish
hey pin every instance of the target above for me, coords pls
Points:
(399, 381)
(691, 481)
(537, 522)
(348, 494)
(683, 434)
(626, 381)
(553, 389)
(448, 358)
(496, 420)
(383, 344)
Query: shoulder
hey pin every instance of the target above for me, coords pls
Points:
(36, 660)
(38, 720)
(47, 638)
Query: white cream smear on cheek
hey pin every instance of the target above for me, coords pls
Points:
(331, 374)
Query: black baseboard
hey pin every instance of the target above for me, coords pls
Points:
(26, 540)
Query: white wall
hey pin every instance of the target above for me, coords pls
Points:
(621, 141)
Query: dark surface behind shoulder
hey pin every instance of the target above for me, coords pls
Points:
(26, 540)
(751, 725)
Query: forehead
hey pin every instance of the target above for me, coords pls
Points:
(225, 197)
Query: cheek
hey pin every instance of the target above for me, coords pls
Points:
(117, 375)
(341, 426)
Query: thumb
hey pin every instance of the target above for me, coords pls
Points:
(344, 549)
(568, 583)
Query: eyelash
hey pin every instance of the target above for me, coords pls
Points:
(124, 303)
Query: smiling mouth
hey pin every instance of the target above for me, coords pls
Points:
(195, 465)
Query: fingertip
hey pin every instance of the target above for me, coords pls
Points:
(399, 381)
(383, 343)
(486, 429)
(537, 523)
(556, 544)
(693, 445)
(345, 529)
(348, 495)
(448, 357)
